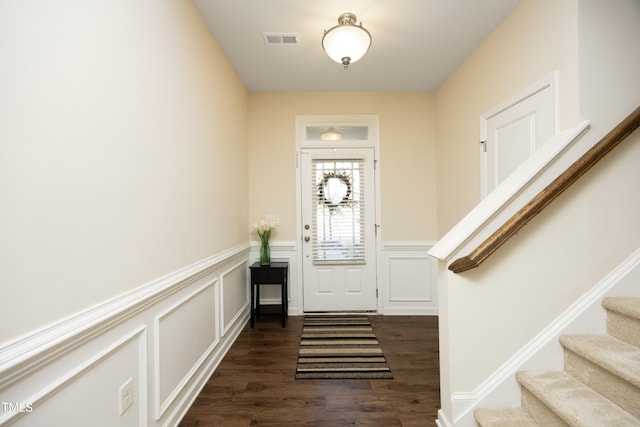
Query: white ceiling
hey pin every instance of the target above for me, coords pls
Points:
(416, 44)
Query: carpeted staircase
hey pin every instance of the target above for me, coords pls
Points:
(600, 384)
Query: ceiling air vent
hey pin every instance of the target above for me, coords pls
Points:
(288, 39)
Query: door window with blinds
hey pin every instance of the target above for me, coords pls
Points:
(338, 212)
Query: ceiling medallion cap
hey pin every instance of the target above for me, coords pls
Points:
(347, 42)
(347, 19)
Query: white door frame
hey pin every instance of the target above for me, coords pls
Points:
(373, 141)
(550, 81)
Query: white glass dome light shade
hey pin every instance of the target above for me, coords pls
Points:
(346, 43)
(331, 135)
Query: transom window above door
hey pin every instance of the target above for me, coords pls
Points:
(337, 133)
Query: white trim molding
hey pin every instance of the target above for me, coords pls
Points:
(442, 420)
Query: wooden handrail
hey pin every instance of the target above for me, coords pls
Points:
(547, 195)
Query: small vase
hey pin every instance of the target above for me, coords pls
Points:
(265, 253)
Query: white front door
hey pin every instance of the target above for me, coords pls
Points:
(338, 229)
(513, 131)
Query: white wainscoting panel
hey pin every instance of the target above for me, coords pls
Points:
(235, 294)
(110, 367)
(409, 279)
(165, 336)
(185, 334)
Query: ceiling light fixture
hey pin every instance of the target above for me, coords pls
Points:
(346, 42)
(331, 135)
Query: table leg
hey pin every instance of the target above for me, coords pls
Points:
(258, 301)
(283, 307)
(252, 309)
(286, 292)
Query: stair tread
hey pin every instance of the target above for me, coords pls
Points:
(614, 355)
(573, 401)
(627, 306)
(504, 417)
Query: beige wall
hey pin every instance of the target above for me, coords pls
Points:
(407, 150)
(488, 314)
(517, 54)
(123, 152)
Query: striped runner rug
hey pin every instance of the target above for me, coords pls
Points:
(340, 347)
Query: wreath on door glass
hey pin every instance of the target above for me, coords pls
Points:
(334, 190)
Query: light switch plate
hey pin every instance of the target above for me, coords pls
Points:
(272, 219)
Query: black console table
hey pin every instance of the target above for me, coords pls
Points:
(277, 273)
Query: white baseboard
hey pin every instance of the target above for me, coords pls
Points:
(442, 420)
(410, 311)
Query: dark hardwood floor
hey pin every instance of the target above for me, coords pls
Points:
(255, 383)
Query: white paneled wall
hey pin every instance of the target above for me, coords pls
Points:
(167, 337)
(407, 282)
(409, 277)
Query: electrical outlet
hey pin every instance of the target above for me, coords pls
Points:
(125, 395)
(272, 219)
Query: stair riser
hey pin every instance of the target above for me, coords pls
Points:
(505, 417)
(616, 389)
(539, 411)
(623, 327)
